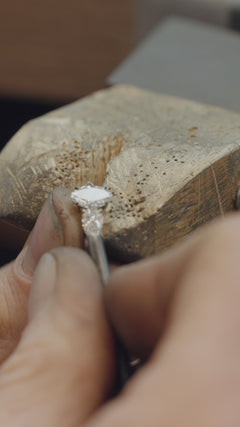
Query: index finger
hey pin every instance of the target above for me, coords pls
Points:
(146, 298)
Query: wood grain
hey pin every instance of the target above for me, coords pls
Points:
(171, 164)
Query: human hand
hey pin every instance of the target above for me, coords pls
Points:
(58, 338)
(179, 311)
(59, 224)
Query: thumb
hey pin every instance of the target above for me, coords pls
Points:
(62, 368)
(57, 225)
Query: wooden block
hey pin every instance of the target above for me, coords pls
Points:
(171, 164)
(188, 59)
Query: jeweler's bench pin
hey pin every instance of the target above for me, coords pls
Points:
(93, 200)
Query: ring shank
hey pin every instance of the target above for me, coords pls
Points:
(97, 251)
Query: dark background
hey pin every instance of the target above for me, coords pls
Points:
(56, 51)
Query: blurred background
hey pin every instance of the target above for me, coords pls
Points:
(56, 51)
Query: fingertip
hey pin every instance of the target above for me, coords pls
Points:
(75, 262)
(58, 224)
(66, 273)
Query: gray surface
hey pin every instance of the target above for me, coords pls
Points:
(218, 12)
(188, 59)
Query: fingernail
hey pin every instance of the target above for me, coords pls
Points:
(59, 224)
(44, 237)
(43, 284)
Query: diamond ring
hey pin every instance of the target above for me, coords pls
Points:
(92, 200)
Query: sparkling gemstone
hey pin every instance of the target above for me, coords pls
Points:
(91, 195)
(92, 199)
(92, 220)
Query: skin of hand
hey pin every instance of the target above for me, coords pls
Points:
(178, 311)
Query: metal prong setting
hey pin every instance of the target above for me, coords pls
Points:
(92, 199)
(90, 195)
